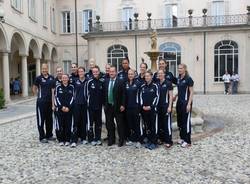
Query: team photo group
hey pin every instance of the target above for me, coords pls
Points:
(137, 105)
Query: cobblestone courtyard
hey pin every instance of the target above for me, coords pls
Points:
(221, 158)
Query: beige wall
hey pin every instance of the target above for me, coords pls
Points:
(192, 45)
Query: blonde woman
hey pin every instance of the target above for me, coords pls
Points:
(184, 105)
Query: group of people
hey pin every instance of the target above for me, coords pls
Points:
(231, 79)
(138, 104)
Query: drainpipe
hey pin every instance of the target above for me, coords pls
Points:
(136, 51)
(205, 40)
(76, 32)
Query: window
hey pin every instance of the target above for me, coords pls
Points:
(218, 11)
(116, 54)
(67, 66)
(172, 54)
(17, 4)
(87, 14)
(53, 20)
(170, 15)
(66, 22)
(127, 18)
(45, 13)
(32, 9)
(225, 58)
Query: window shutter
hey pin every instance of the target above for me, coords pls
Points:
(80, 23)
(72, 22)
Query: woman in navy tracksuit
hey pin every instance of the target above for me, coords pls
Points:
(165, 109)
(131, 92)
(184, 105)
(95, 100)
(80, 108)
(64, 101)
(149, 96)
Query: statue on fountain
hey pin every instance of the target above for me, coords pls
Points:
(154, 41)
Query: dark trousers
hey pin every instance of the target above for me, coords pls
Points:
(184, 121)
(65, 121)
(226, 84)
(133, 121)
(165, 125)
(150, 119)
(80, 122)
(44, 117)
(111, 115)
(94, 124)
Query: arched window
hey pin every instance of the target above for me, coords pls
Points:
(116, 53)
(225, 58)
(172, 53)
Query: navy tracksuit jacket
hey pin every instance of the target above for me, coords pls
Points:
(149, 96)
(132, 106)
(184, 118)
(95, 100)
(164, 118)
(44, 105)
(65, 98)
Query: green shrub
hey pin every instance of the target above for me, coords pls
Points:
(2, 101)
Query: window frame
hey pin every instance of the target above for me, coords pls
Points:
(232, 51)
(14, 5)
(111, 51)
(67, 26)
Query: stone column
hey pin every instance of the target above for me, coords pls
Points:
(38, 66)
(24, 76)
(49, 66)
(6, 77)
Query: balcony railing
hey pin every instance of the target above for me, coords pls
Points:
(204, 21)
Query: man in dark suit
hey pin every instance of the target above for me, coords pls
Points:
(114, 107)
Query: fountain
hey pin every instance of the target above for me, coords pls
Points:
(154, 53)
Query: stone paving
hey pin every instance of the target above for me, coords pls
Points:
(221, 158)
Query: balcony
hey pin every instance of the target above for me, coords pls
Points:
(173, 23)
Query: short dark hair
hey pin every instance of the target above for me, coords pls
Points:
(97, 67)
(145, 65)
(112, 66)
(81, 67)
(150, 72)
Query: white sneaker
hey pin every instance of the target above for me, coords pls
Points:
(84, 142)
(138, 145)
(93, 143)
(67, 144)
(98, 143)
(73, 145)
(185, 145)
(129, 143)
(61, 144)
(180, 141)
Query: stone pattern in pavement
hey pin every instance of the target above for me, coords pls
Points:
(222, 158)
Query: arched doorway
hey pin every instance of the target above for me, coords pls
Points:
(116, 53)
(31, 60)
(171, 52)
(18, 62)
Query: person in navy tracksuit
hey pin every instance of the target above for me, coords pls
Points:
(65, 101)
(165, 109)
(57, 81)
(184, 105)
(131, 92)
(95, 100)
(149, 97)
(80, 108)
(141, 77)
(74, 75)
(163, 65)
(43, 87)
